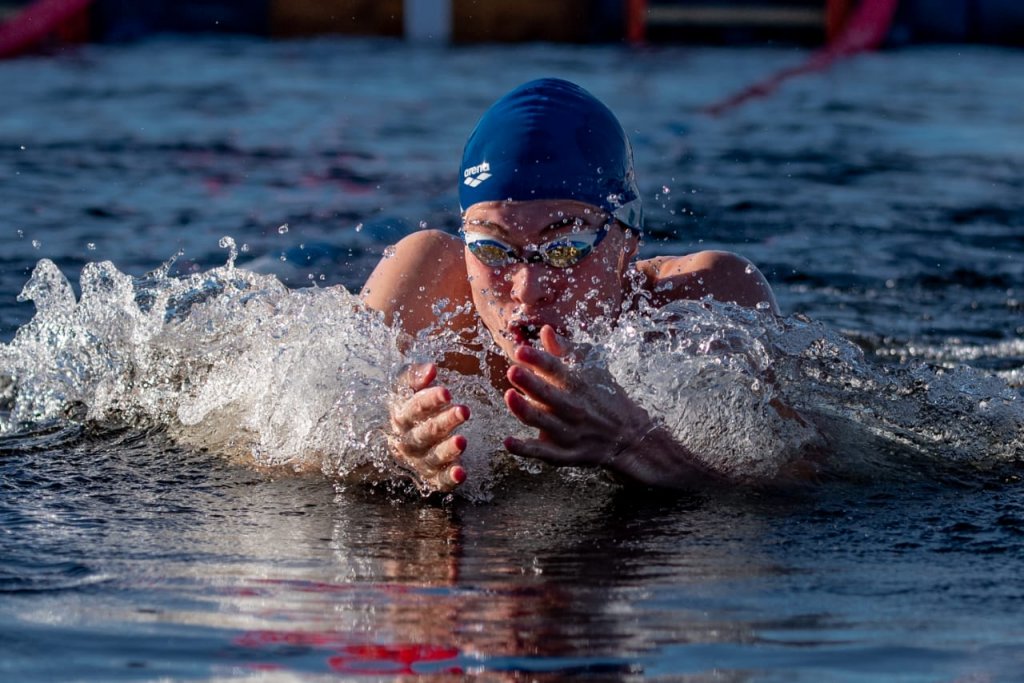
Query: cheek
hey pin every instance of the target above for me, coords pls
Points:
(490, 287)
(594, 290)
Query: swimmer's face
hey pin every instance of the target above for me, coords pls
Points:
(515, 298)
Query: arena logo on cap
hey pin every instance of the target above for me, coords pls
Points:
(474, 175)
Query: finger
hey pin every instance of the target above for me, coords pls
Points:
(418, 376)
(545, 451)
(541, 391)
(446, 453)
(424, 404)
(532, 416)
(450, 478)
(431, 432)
(554, 343)
(561, 346)
(550, 366)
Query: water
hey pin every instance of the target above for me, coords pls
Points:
(180, 430)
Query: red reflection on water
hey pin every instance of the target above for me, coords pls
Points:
(357, 658)
(371, 659)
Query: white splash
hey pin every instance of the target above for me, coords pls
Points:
(227, 360)
(235, 362)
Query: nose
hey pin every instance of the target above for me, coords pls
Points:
(531, 285)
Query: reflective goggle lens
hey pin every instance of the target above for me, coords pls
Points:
(563, 252)
(491, 252)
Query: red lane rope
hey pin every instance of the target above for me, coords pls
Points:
(865, 30)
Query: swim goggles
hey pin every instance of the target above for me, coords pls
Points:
(564, 251)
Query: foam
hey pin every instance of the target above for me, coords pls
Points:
(235, 362)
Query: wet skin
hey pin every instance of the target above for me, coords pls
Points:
(582, 416)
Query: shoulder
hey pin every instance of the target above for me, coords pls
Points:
(432, 243)
(722, 275)
(421, 270)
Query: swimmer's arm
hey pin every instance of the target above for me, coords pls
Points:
(729, 278)
(424, 270)
(656, 458)
(421, 440)
(585, 419)
(722, 275)
(653, 457)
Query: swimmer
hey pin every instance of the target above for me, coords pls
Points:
(551, 223)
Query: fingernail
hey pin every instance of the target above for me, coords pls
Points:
(510, 443)
(513, 397)
(458, 474)
(464, 412)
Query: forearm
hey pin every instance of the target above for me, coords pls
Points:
(653, 457)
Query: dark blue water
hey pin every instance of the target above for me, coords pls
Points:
(883, 199)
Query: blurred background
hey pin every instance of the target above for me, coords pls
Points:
(49, 23)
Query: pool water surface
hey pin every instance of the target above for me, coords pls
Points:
(142, 537)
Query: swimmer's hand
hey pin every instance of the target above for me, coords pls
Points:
(586, 419)
(421, 439)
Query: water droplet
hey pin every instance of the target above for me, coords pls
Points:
(359, 227)
(763, 306)
(600, 170)
(283, 257)
(665, 189)
(21, 233)
(245, 247)
(750, 269)
(36, 244)
(91, 246)
(282, 229)
(423, 225)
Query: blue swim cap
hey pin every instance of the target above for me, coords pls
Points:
(551, 139)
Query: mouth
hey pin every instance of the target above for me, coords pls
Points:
(524, 331)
